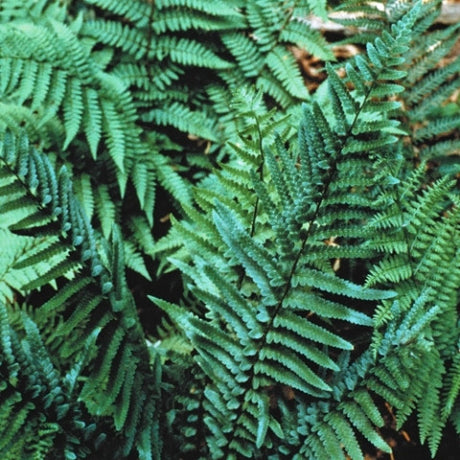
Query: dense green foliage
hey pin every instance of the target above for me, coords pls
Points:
(316, 234)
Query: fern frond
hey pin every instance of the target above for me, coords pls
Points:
(320, 267)
(38, 401)
(85, 96)
(268, 301)
(93, 300)
(139, 12)
(180, 116)
(245, 51)
(282, 63)
(309, 40)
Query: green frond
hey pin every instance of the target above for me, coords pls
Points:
(269, 84)
(345, 434)
(188, 52)
(282, 64)
(171, 180)
(246, 53)
(36, 400)
(112, 33)
(32, 10)
(367, 17)
(264, 21)
(357, 417)
(331, 283)
(92, 120)
(85, 96)
(441, 150)
(201, 5)
(104, 209)
(434, 47)
(306, 39)
(139, 12)
(420, 111)
(431, 81)
(180, 116)
(453, 387)
(94, 297)
(175, 19)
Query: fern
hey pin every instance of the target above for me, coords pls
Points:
(32, 10)
(430, 122)
(238, 28)
(316, 234)
(428, 86)
(269, 318)
(58, 99)
(39, 402)
(108, 80)
(93, 300)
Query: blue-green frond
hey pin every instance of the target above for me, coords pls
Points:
(36, 399)
(92, 296)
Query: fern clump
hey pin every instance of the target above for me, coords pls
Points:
(269, 250)
(108, 86)
(315, 235)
